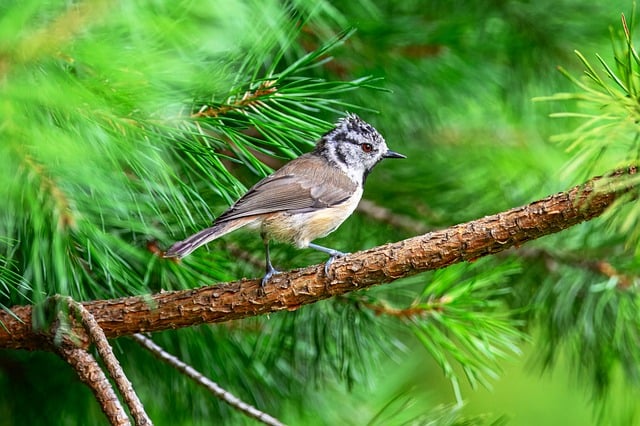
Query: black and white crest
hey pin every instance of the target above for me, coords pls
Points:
(354, 146)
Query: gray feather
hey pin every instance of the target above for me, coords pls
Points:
(304, 184)
(186, 246)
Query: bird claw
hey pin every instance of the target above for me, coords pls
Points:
(333, 255)
(271, 271)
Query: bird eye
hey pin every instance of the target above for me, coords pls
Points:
(366, 147)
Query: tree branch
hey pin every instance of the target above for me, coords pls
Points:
(290, 290)
(111, 362)
(91, 374)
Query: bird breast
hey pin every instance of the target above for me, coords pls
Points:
(300, 229)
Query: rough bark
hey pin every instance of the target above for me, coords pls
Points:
(290, 290)
(112, 365)
(89, 372)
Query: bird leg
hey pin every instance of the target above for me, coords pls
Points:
(331, 252)
(269, 270)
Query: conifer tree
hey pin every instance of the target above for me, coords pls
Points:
(128, 125)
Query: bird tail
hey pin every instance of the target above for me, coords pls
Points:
(186, 246)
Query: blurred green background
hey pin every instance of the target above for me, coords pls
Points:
(95, 96)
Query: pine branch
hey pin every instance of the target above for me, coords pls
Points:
(209, 384)
(72, 347)
(111, 362)
(383, 264)
(89, 371)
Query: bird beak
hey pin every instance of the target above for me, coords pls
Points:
(393, 154)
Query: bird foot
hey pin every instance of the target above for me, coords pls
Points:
(271, 271)
(332, 256)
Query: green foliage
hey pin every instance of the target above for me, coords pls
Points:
(607, 138)
(466, 321)
(579, 318)
(107, 155)
(588, 310)
(126, 126)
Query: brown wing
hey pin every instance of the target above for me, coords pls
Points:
(299, 186)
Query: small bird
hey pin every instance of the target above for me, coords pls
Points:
(307, 198)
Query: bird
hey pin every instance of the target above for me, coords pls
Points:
(307, 198)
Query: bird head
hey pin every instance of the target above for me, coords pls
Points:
(355, 146)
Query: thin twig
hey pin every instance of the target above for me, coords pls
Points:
(239, 253)
(382, 308)
(52, 191)
(385, 215)
(248, 99)
(111, 362)
(602, 267)
(209, 384)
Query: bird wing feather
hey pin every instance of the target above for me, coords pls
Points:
(299, 186)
